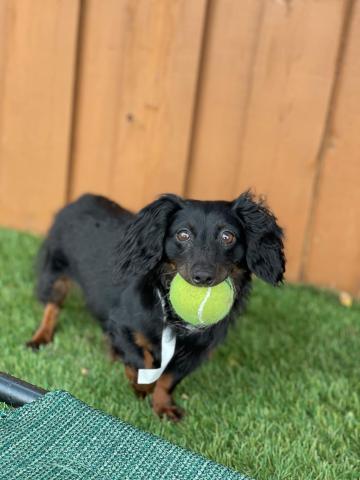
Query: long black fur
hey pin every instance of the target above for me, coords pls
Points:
(120, 260)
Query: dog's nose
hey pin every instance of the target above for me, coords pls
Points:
(203, 277)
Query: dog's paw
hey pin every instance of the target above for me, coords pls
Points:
(36, 342)
(33, 344)
(170, 412)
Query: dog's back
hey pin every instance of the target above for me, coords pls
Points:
(79, 247)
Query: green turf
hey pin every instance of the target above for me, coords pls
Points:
(279, 400)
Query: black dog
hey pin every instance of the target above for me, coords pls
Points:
(124, 264)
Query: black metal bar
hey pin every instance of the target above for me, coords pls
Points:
(16, 392)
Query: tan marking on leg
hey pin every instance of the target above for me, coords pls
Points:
(44, 334)
(141, 341)
(161, 395)
(141, 390)
(130, 373)
(148, 359)
(59, 290)
(163, 404)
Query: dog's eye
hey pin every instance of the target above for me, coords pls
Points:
(183, 235)
(227, 238)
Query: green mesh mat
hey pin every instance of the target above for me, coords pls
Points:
(60, 437)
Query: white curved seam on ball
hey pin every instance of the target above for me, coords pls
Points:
(202, 304)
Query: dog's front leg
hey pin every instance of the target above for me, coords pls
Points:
(135, 350)
(163, 403)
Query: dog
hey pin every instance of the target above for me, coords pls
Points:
(124, 264)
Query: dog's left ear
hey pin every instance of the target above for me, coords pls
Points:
(265, 249)
(141, 247)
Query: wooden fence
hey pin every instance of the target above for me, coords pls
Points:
(205, 98)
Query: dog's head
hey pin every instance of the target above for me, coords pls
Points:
(204, 241)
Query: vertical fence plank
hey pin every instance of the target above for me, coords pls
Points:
(293, 79)
(262, 104)
(136, 94)
(334, 248)
(37, 70)
(225, 79)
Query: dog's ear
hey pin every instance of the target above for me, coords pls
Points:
(141, 247)
(264, 238)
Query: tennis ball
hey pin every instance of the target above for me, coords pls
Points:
(201, 305)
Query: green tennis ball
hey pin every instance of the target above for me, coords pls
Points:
(201, 305)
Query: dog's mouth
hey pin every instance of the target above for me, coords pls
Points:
(171, 269)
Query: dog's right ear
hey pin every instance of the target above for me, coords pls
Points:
(141, 247)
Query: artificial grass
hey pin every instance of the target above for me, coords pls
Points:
(279, 400)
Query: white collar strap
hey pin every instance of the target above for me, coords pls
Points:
(168, 344)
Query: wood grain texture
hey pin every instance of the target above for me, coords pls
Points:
(288, 105)
(199, 97)
(225, 81)
(334, 249)
(137, 86)
(37, 55)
